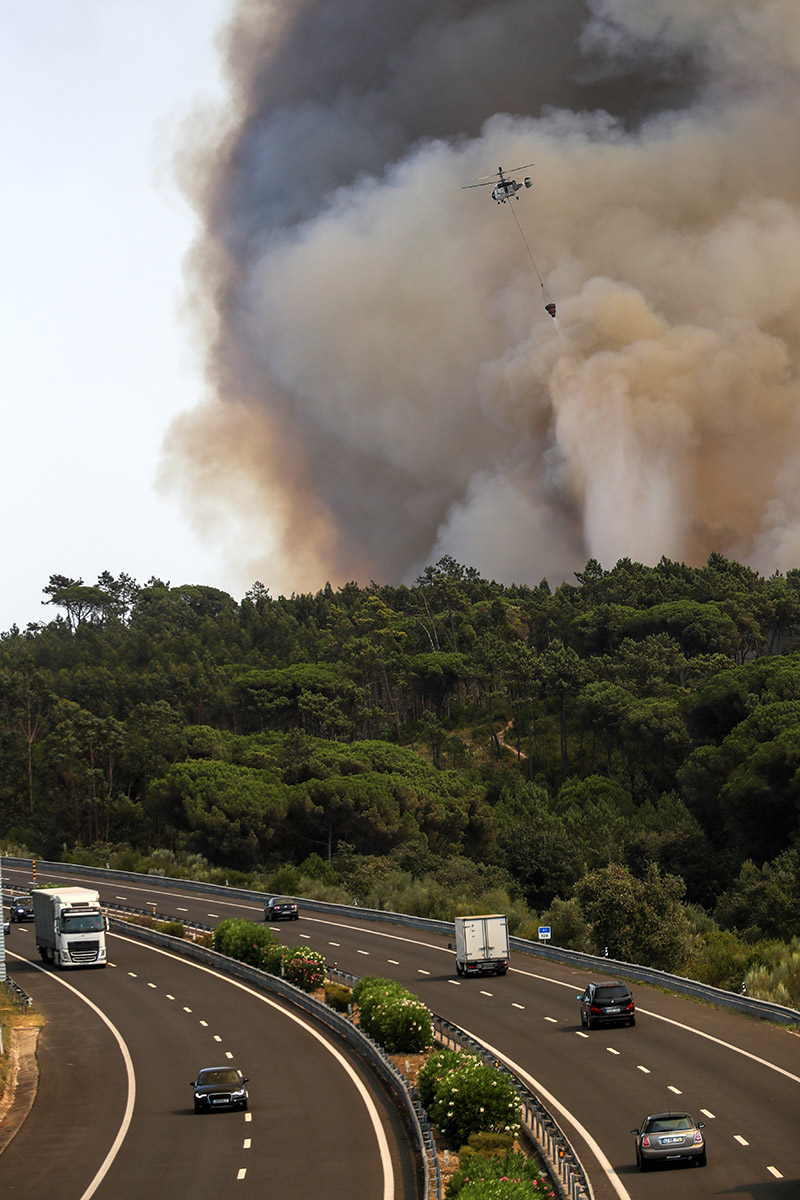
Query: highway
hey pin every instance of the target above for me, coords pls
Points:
(741, 1076)
(114, 1115)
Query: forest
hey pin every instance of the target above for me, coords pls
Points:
(617, 757)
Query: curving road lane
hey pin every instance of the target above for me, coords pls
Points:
(741, 1075)
(317, 1123)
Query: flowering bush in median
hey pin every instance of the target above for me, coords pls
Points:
(393, 1016)
(471, 1098)
(513, 1176)
(257, 946)
(304, 968)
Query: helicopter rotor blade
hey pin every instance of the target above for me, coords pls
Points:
(464, 186)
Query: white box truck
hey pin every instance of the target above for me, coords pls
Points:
(482, 945)
(70, 926)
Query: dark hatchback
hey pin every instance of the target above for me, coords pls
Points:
(21, 909)
(219, 1087)
(607, 1003)
(281, 910)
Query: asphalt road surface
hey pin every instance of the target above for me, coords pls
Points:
(116, 1058)
(740, 1075)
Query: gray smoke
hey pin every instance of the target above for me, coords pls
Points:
(384, 384)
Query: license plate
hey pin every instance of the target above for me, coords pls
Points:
(670, 1141)
(614, 1008)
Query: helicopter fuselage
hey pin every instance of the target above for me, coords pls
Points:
(505, 189)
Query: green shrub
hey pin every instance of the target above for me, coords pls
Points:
(175, 929)
(273, 962)
(513, 1175)
(337, 996)
(473, 1099)
(436, 1068)
(399, 1022)
(304, 968)
(246, 941)
(487, 1145)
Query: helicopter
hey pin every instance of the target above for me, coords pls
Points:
(504, 189)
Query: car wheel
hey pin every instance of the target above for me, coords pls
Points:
(589, 1022)
(197, 1107)
(702, 1159)
(632, 1021)
(642, 1163)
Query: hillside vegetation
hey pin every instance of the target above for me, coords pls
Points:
(618, 756)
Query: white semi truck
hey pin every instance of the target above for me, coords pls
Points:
(70, 926)
(482, 945)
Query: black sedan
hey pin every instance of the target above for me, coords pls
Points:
(21, 909)
(669, 1137)
(281, 910)
(607, 1003)
(219, 1087)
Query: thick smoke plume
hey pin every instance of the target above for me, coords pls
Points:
(385, 385)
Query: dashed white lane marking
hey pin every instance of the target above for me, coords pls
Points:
(674, 1090)
(455, 982)
(246, 1143)
(365, 952)
(644, 1070)
(737, 1137)
(774, 1171)
(185, 1009)
(248, 1116)
(485, 993)
(580, 1033)
(182, 909)
(152, 985)
(708, 1114)
(212, 915)
(170, 997)
(204, 1024)
(334, 943)
(229, 1054)
(133, 975)
(305, 935)
(242, 1172)
(120, 897)
(612, 1050)
(395, 962)
(515, 1005)
(421, 971)
(217, 1038)
(552, 1020)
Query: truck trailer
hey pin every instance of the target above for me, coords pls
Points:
(70, 926)
(482, 945)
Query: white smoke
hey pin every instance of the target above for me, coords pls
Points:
(381, 332)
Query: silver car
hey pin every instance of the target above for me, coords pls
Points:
(669, 1137)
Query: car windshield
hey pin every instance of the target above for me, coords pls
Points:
(670, 1124)
(614, 992)
(216, 1075)
(21, 902)
(87, 922)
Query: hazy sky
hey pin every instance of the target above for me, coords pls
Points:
(95, 359)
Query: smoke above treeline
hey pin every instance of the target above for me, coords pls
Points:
(384, 385)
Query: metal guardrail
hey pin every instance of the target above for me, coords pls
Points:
(565, 1169)
(765, 1009)
(16, 994)
(554, 1147)
(274, 984)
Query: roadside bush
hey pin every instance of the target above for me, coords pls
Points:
(244, 940)
(175, 929)
(304, 968)
(393, 1016)
(473, 1099)
(273, 961)
(440, 1064)
(337, 996)
(513, 1176)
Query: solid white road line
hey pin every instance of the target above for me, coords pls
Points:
(131, 1077)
